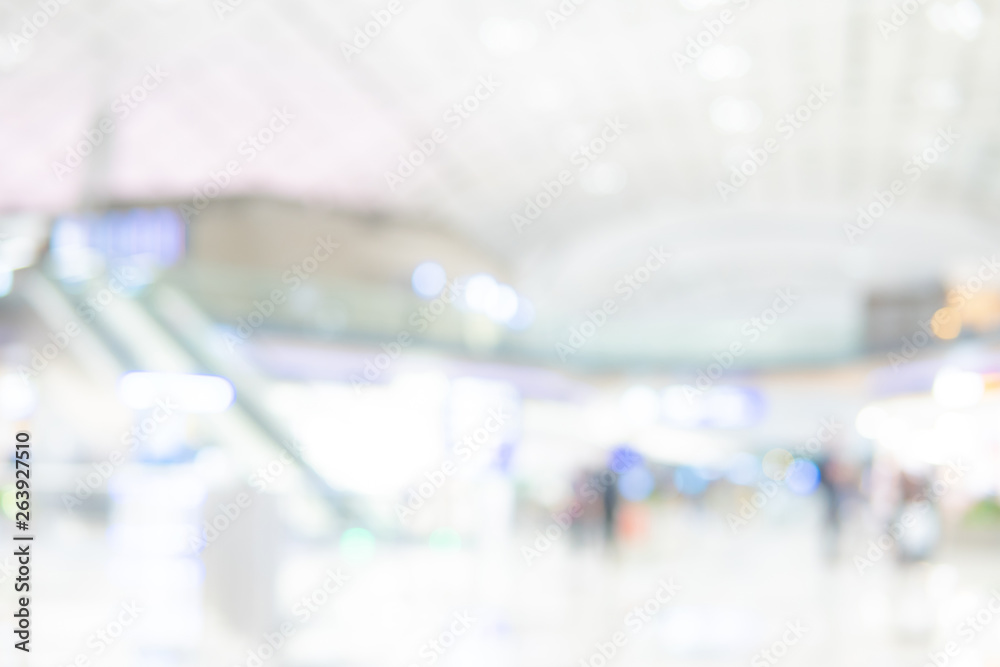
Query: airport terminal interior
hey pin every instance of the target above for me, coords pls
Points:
(596, 333)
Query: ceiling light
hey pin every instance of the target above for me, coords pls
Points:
(504, 306)
(954, 388)
(188, 392)
(481, 292)
(428, 279)
(870, 420)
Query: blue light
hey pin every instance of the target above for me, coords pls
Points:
(624, 458)
(689, 482)
(803, 477)
(429, 279)
(636, 484)
(735, 407)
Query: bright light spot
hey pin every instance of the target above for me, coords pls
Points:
(967, 18)
(429, 279)
(684, 407)
(803, 477)
(72, 258)
(731, 407)
(723, 62)
(964, 18)
(734, 116)
(641, 406)
(346, 438)
(504, 307)
(604, 178)
(894, 433)
(743, 469)
(946, 323)
(958, 389)
(776, 463)
(184, 392)
(954, 430)
(425, 385)
(870, 420)
(506, 37)
(17, 398)
(524, 316)
(481, 292)
(636, 484)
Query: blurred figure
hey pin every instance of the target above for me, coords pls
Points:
(919, 540)
(610, 504)
(832, 493)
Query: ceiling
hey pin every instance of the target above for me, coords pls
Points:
(228, 68)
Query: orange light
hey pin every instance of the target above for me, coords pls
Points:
(946, 323)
